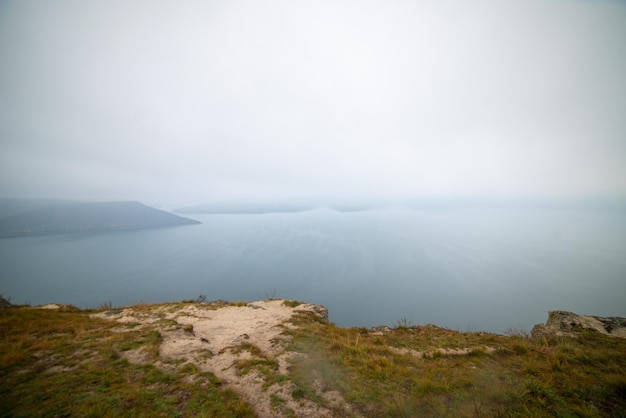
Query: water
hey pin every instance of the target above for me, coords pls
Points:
(462, 269)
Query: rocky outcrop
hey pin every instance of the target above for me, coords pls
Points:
(321, 311)
(5, 303)
(566, 323)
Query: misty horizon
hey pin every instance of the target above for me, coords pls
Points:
(348, 204)
(187, 103)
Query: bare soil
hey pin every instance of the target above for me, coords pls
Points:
(218, 340)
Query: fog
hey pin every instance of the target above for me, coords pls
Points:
(184, 102)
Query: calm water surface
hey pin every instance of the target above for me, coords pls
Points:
(462, 269)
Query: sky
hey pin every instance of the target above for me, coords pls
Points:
(196, 101)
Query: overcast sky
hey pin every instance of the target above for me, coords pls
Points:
(188, 102)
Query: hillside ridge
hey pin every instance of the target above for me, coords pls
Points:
(80, 217)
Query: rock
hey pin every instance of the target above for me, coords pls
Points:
(113, 312)
(62, 307)
(380, 330)
(49, 306)
(5, 303)
(322, 311)
(565, 323)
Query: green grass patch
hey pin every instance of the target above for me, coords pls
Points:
(267, 367)
(292, 303)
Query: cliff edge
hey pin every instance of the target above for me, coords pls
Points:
(565, 323)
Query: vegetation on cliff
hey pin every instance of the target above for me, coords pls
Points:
(62, 363)
(413, 371)
(66, 361)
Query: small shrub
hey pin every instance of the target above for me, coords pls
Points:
(292, 303)
(298, 393)
(206, 354)
(521, 348)
(189, 368)
(400, 406)
(276, 401)
(105, 305)
(477, 352)
(540, 391)
(5, 302)
(404, 322)
(271, 295)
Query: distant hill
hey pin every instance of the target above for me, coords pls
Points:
(72, 217)
(13, 206)
(246, 208)
(283, 206)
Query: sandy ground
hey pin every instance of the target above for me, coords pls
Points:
(215, 339)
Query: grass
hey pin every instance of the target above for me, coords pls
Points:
(55, 363)
(266, 366)
(63, 363)
(381, 375)
(292, 303)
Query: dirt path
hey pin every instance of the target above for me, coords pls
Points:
(224, 340)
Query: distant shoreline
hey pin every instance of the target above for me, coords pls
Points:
(89, 231)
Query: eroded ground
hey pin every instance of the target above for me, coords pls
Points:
(281, 358)
(244, 345)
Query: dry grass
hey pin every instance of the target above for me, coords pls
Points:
(61, 362)
(56, 363)
(430, 371)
